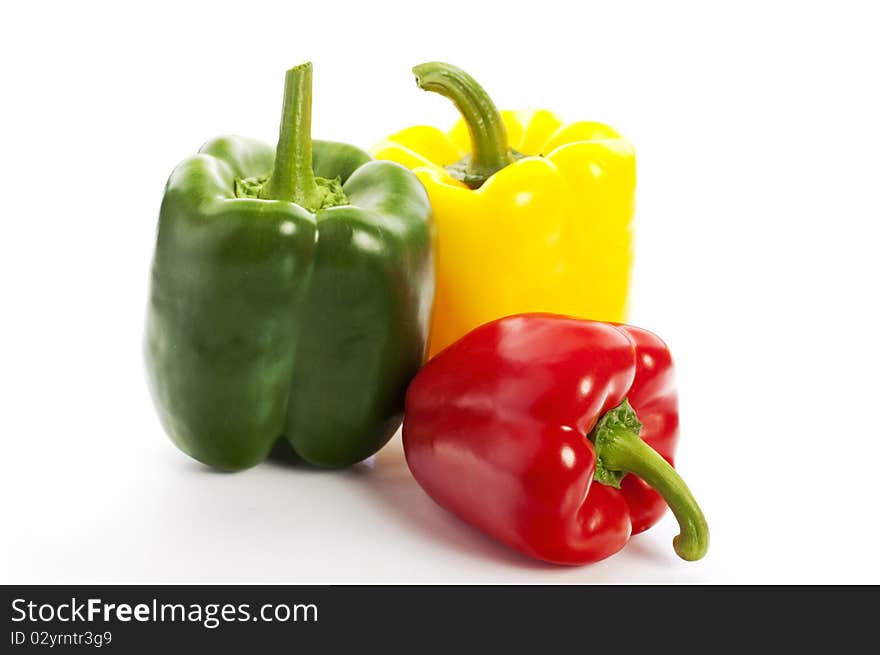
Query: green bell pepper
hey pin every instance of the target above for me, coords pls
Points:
(291, 295)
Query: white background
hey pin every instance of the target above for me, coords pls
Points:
(757, 127)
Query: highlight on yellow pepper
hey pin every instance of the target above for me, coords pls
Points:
(532, 215)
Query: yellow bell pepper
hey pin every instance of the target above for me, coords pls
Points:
(544, 226)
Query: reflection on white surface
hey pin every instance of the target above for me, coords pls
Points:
(174, 520)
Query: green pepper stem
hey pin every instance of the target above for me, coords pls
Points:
(490, 151)
(293, 179)
(623, 450)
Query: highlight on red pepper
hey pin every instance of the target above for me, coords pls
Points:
(553, 435)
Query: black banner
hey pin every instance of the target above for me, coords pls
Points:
(144, 619)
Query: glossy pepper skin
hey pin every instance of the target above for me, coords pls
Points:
(532, 215)
(554, 435)
(285, 304)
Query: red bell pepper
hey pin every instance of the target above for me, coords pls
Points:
(554, 435)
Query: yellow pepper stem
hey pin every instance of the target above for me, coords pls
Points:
(490, 151)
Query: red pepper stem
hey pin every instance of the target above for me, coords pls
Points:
(490, 151)
(627, 452)
(620, 450)
(293, 179)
